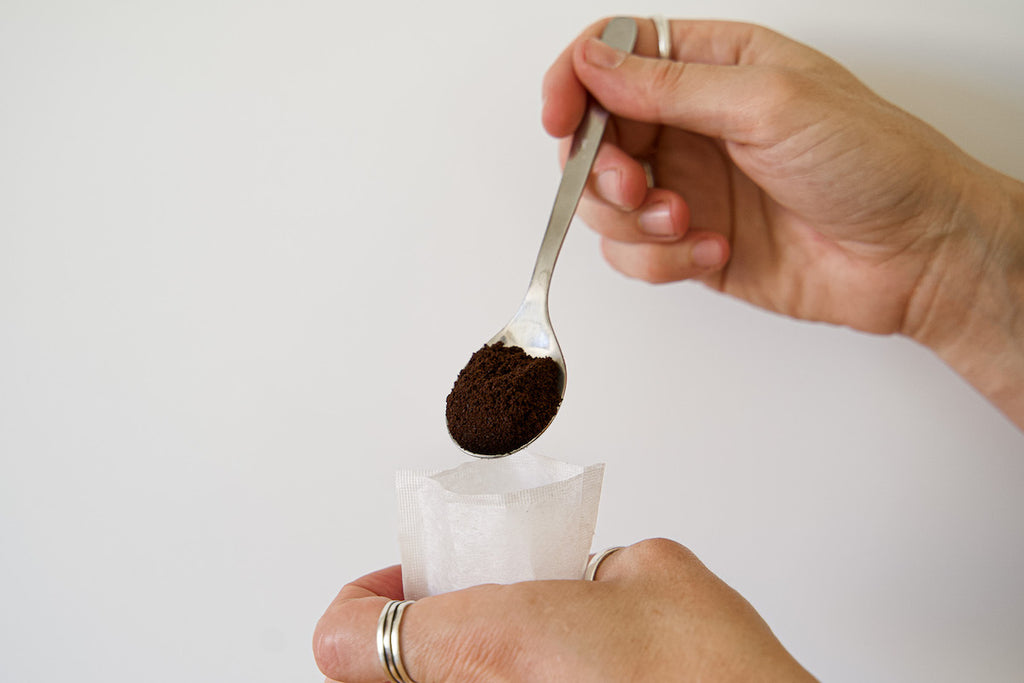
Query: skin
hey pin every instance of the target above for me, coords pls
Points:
(784, 181)
(661, 615)
(781, 180)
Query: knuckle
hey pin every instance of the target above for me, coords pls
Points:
(663, 81)
(782, 86)
(658, 547)
(781, 91)
(778, 102)
(664, 74)
(664, 553)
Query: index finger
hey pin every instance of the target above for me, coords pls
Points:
(722, 43)
(565, 98)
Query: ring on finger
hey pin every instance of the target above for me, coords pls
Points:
(596, 560)
(389, 649)
(664, 31)
(648, 172)
(664, 36)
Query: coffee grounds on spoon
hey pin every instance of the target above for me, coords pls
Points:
(502, 400)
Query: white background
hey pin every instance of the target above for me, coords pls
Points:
(246, 246)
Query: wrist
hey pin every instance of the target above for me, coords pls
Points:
(969, 305)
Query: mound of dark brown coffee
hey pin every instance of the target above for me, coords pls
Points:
(502, 400)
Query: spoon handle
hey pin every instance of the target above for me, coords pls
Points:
(620, 33)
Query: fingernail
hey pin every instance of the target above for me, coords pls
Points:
(707, 254)
(608, 186)
(657, 221)
(601, 54)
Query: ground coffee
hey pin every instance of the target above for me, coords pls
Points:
(502, 400)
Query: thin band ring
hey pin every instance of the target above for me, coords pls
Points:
(596, 561)
(389, 650)
(664, 31)
(384, 635)
(664, 36)
(648, 172)
(396, 650)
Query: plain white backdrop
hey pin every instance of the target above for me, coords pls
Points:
(246, 246)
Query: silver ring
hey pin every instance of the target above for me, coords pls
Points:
(664, 36)
(661, 26)
(596, 561)
(389, 650)
(648, 172)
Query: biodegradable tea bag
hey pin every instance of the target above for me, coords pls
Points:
(500, 520)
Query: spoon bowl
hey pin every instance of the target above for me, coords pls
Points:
(531, 330)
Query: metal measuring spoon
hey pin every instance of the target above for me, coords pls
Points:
(530, 328)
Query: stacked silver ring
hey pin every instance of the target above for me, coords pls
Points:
(388, 648)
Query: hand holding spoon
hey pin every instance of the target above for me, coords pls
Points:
(487, 417)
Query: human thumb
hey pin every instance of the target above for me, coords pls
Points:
(705, 98)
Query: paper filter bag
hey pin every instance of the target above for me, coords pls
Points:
(500, 520)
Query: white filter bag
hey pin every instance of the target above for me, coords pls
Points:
(500, 520)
